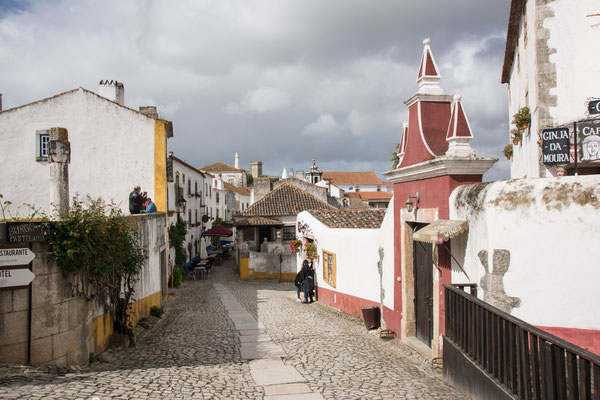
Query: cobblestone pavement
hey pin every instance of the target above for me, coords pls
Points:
(193, 352)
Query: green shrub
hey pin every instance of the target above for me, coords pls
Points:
(92, 358)
(156, 311)
(177, 276)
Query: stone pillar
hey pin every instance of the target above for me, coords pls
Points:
(59, 157)
(256, 169)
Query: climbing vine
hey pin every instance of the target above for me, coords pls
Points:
(98, 251)
(177, 232)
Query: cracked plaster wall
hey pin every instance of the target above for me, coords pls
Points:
(542, 234)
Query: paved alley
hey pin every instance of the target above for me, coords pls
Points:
(201, 348)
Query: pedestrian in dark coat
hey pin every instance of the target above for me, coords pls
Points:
(308, 281)
(298, 283)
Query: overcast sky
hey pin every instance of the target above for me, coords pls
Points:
(279, 81)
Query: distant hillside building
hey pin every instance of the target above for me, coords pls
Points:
(232, 175)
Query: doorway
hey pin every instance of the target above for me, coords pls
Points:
(264, 232)
(423, 274)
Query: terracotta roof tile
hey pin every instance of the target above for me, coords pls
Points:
(257, 221)
(352, 178)
(239, 190)
(369, 195)
(287, 199)
(370, 218)
(219, 167)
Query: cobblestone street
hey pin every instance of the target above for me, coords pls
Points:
(195, 352)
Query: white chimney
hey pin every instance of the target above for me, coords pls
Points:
(237, 160)
(112, 90)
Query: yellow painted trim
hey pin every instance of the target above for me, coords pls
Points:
(160, 165)
(244, 268)
(103, 325)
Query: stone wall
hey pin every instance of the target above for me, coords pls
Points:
(61, 324)
(317, 191)
(66, 328)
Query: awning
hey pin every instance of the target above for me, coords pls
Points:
(218, 230)
(440, 231)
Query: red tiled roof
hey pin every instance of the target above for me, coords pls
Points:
(220, 167)
(257, 221)
(352, 178)
(369, 195)
(370, 218)
(287, 199)
(239, 190)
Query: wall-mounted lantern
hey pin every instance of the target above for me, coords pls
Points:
(410, 204)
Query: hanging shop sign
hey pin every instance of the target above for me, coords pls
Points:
(23, 232)
(555, 146)
(589, 141)
(594, 107)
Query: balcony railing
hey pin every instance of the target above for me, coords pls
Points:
(529, 362)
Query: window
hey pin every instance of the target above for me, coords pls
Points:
(189, 218)
(217, 213)
(196, 188)
(217, 197)
(196, 221)
(42, 145)
(289, 232)
(379, 188)
(329, 268)
(357, 189)
(190, 186)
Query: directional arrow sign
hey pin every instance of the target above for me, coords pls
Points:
(15, 277)
(16, 256)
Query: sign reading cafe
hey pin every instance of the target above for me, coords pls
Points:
(555, 146)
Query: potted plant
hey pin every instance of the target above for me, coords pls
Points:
(311, 250)
(508, 151)
(522, 119)
(295, 245)
(516, 136)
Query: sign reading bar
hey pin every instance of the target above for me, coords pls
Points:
(594, 107)
(15, 256)
(10, 278)
(25, 232)
(555, 146)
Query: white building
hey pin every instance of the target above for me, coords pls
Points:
(353, 181)
(232, 175)
(187, 200)
(113, 148)
(551, 68)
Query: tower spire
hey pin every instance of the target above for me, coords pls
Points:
(428, 77)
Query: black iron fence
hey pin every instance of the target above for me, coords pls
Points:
(528, 362)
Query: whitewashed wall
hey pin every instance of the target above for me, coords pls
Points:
(112, 150)
(571, 31)
(551, 228)
(385, 240)
(357, 255)
(193, 203)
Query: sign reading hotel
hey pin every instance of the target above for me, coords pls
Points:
(555, 146)
(15, 278)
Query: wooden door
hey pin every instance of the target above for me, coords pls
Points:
(423, 272)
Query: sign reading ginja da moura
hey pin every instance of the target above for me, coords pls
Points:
(16, 256)
(556, 146)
